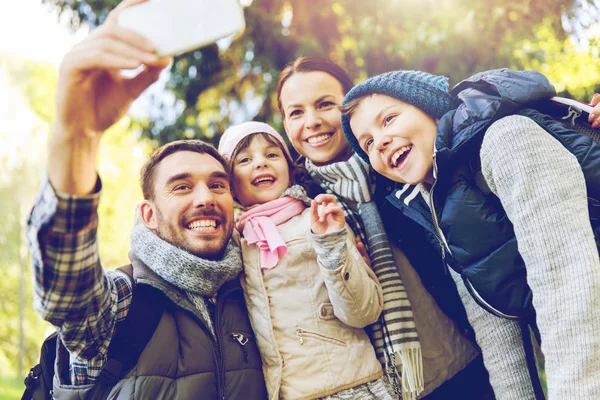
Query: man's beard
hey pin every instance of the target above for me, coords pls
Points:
(176, 237)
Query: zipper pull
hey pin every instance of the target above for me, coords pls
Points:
(299, 333)
(240, 338)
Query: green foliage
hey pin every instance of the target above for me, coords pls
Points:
(21, 131)
(11, 389)
(216, 86)
(25, 121)
(122, 155)
(572, 68)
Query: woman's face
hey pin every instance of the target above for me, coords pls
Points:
(312, 119)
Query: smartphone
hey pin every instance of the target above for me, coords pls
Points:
(179, 26)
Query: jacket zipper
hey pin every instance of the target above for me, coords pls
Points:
(438, 231)
(220, 392)
(420, 219)
(302, 333)
(213, 347)
(484, 304)
(220, 363)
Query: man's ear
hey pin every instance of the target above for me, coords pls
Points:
(148, 215)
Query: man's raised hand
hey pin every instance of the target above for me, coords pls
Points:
(92, 95)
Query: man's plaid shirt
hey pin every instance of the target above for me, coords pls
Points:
(71, 289)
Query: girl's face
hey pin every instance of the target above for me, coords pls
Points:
(312, 119)
(398, 138)
(260, 173)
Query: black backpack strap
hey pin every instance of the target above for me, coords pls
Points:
(131, 337)
(38, 383)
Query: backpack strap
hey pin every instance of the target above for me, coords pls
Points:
(129, 341)
(38, 383)
(131, 336)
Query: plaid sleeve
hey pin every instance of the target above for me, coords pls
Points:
(71, 290)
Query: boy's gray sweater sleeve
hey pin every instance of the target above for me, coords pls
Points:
(542, 189)
(501, 346)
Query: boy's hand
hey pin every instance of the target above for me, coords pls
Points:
(594, 117)
(332, 217)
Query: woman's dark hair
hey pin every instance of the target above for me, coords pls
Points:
(313, 64)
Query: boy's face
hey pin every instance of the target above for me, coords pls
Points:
(398, 138)
(260, 173)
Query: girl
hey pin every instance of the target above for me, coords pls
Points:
(502, 192)
(308, 291)
(310, 90)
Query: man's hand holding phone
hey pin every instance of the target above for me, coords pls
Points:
(92, 95)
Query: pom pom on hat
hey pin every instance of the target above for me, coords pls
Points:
(420, 89)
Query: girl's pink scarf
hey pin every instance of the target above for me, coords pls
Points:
(259, 226)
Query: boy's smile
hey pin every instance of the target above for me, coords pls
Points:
(398, 138)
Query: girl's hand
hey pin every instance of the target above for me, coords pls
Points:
(332, 217)
(594, 117)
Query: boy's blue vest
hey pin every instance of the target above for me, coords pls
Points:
(478, 232)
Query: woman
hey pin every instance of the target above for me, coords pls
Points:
(309, 92)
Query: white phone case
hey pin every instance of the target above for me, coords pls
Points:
(179, 26)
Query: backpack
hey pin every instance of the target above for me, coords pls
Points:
(130, 338)
(573, 114)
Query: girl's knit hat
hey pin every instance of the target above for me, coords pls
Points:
(425, 91)
(236, 133)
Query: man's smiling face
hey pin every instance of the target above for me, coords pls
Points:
(192, 206)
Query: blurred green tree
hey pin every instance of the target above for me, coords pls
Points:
(211, 88)
(21, 158)
(27, 105)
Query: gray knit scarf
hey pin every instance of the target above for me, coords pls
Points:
(198, 278)
(395, 334)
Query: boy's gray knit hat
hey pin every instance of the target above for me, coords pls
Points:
(425, 91)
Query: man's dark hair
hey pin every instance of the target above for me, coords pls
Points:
(196, 146)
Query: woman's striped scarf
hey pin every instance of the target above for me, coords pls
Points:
(394, 335)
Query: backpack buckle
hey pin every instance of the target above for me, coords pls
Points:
(574, 113)
(33, 376)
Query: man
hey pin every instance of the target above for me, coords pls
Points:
(202, 347)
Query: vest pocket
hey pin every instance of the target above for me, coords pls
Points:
(302, 333)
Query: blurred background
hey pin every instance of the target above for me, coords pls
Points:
(207, 90)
